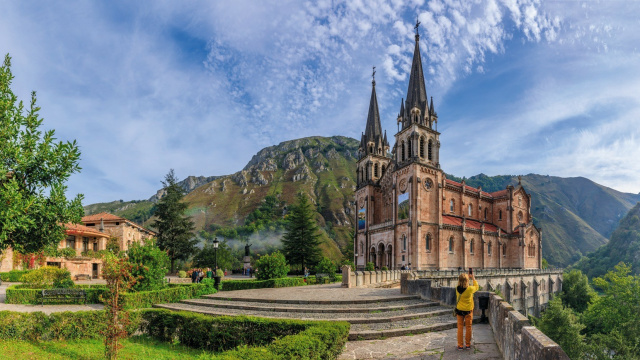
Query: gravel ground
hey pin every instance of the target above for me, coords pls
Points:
(402, 324)
(316, 316)
(317, 306)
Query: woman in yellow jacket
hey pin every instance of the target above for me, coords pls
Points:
(464, 307)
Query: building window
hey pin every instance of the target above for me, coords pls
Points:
(451, 244)
(85, 243)
(404, 242)
(409, 153)
(451, 204)
(402, 258)
(520, 201)
(422, 147)
(504, 249)
(361, 248)
(383, 170)
(471, 246)
(429, 151)
(71, 242)
(375, 170)
(402, 146)
(500, 215)
(470, 209)
(489, 248)
(117, 223)
(428, 242)
(485, 214)
(520, 216)
(515, 289)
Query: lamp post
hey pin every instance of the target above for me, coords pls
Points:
(216, 278)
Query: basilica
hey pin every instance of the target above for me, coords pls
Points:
(411, 215)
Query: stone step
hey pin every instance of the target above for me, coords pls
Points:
(355, 318)
(304, 308)
(222, 296)
(404, 328)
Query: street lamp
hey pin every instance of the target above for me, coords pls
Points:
(216, 278)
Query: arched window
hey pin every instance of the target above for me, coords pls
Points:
(384, 168)
(489, 248)
(428, 242)
(370, 149)
(515, 289)
(504, 249)
(485, 214)
(520, 201)
(470, 209)
(520, 216)
(422, 147)
(500, 215)
(361, 248)
(471, 246)
(375, 170)
(451, 204)
(404, 242)
(429, 151)
(402, 157)
(451, 244)
(409, 153)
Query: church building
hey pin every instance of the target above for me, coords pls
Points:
(411, 215)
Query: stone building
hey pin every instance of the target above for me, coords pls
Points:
(127, 232)
(410, 214)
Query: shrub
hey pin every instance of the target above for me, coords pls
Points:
(48, 277)
(230, 285)
(384, 268)
(326, 266)
(272, 266)
(220, 273)
(175, 293)
(350, 263)
(182, 274)
(369, 267)
(13, 275)
(150, 265)
(22, 294)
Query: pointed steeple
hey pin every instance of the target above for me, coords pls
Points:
(386, 143)
(373, 130)
(417, 93)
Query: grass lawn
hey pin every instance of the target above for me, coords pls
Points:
(138, 347)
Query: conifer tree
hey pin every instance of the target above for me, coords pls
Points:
(301, 242)
(175, 229)
(34, 168)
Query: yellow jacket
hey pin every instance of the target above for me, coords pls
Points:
(465, 301)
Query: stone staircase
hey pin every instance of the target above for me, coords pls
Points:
(375, 318)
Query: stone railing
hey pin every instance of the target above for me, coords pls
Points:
(514, 335)
(352, 279)
(381, 225)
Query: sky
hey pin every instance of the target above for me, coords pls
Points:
(520, 86)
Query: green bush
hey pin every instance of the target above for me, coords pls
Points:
(175, 293)
(384, 268)
(249, 337)
(48, 277)
(150, 265)
(326, 266)
(182, 274)
(312, 280)
(22, 294)
(272, 266)
(220, 273)
(230, 285)
(13, 275)
(369, 267)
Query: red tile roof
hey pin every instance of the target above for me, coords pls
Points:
(472, 224)
(468, 188)
(103, 215)
(499, 193)
(77, 229)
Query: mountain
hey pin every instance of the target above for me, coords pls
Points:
(623, 246)
(577, 215)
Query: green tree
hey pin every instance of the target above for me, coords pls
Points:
(562, 326)
(175, 229)
(576, 291)
(150, 265)
(206, 257)
(614, 315)
(301, 242)
(272, 266)
(34, 168)
(326, 266)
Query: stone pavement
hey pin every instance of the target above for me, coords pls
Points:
(435, 345)
(328, 292)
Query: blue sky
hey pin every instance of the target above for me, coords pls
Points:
(519, 86)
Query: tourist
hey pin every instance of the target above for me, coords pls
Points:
(464, 307)
(306, 272)
(194, 275)
(209, 273)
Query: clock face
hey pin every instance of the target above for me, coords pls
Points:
(428, 184)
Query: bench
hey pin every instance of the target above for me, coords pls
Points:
(320, 278)
(64, 294)
(82, 277)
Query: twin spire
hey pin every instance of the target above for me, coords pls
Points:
(416, 99)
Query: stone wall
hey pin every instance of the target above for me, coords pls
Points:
(515, 336)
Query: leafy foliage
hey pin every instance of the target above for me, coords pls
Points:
(562, 326)
(369, 266)
(301, 241)
(150, 265)
(326, 266)
(175, 229)
(113, 246)
(272, 266)
(33, 171)
(23, 294)
(206, 257)
(48, 277)
(576, 291)
(13, 275)
(230, 285)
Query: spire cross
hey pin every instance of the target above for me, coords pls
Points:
(373, 75)
(417, 26)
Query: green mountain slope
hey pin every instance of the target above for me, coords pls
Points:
(577, 215)
(624, 246)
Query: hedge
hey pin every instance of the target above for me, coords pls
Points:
(247, 337)
(230, 285)
(19, 294)
(235, 337)
(13, 275)
(312, 280)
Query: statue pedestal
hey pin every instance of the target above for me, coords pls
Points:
(247, 262)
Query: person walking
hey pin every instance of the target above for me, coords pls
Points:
(194, 275)
(464, 307)
(209, 273)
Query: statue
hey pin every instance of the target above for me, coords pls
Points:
(246, 249)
